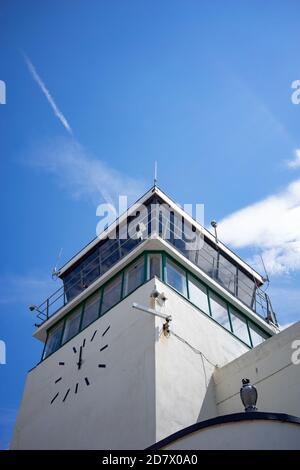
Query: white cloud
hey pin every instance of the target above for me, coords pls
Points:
(295, 162)
(47, 94)
(82, 174)
(271, 225)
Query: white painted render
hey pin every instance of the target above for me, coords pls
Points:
(116, 411)
(270, 368)
(151, 387)
(184, 385)
(245, 435)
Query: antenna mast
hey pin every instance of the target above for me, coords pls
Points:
(155, 173)
(54, 273)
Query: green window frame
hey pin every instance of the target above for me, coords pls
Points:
(72, 324)
(219, 310)
(257, 335)
(205, 299)
(198, 294)
(53, 341)
(240, 326)
(154, 265)
(112, 293)
(175, 277)
(91, 309)
(134, 276)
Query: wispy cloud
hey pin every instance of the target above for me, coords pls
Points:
(47, 94)
(285, 297)
(82, 174)
(270, 225)
(25, 289)
(295, 162)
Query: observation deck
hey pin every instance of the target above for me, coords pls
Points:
(155, 215)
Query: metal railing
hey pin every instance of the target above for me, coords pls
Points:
(184, 238)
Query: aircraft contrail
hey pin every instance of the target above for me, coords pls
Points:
(47, 94)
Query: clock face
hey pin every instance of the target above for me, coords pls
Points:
(78, 365)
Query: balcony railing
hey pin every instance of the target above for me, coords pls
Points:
(185, 238)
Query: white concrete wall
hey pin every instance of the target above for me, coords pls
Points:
(270, 369)
(246, 435)
(117, 409)
(184, 386)
(152, 385)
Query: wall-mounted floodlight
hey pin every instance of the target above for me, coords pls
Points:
(159, 296)
(33, 308)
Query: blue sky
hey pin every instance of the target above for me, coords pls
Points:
(203, 87)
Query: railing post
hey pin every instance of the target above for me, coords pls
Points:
(47, 308)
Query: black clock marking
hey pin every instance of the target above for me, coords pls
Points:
(64, 399)
(80, 358)
(55, 396)
(94, 334)
(79, 350)
(106, 331)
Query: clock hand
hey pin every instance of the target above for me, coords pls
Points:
(80, 358)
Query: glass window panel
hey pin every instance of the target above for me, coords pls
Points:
(176, 277)
(72, 325)
(246, 287)
(110, 253)
(207, 259)
(134, 276)
(111, 294)
(257, 335)
(165, 229)
(239, 326)
(53, 339)
(219, 310)
(128, 245)
(91, 268)
(91, 309)
(198, 294)
(72, 284)
(154, 265)
(227, 274)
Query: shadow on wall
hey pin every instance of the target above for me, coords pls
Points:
(208, 408)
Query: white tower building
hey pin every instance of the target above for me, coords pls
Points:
(168, 373)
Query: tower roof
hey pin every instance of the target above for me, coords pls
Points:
(155, 190)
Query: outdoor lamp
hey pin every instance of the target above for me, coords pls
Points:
(248, 394)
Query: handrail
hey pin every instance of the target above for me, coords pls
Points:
(260, 302)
